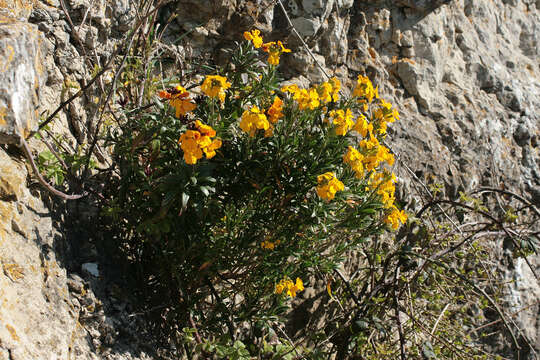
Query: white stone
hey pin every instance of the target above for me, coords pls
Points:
(90, 268)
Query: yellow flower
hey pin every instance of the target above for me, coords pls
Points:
(365, 91)
(329, 91)
(182, 107)
(269, 244)
(299, 286)
(383, 183)
(325, 92)
(352, 155)
(336, 86)
(342, 120)
(189, 143)
(286, 285)
(255, 37)
(274, 50)
(328, 185)
(384, 114)
(253, 120)
(196, 142)
(215, 86)
(307, 99)
(383, 154)
(205, 130)
(179, 99)
(395, 217)
(372, 143)
(210, 150)
(292, 89)
(275, 112)
(362, 126)
(354, 158)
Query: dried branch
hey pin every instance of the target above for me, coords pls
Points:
(26, 150)
(506, 192)
(77, 94)
(398, 320)
(477, 288)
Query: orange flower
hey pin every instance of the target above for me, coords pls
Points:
(275, 112)
(274, 50)
(196, 142)
(255, 37)
(179, 99)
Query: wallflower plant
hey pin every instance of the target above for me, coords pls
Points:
(233, 188)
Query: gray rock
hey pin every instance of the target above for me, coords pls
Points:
(345, 4)
(21, 76)
(90, 269)
(334, 41)
(408, 52)
(306, 27)
(75, 284)
(522, 135)
(407, 39)
(317, 8)
(91, 38)
(38, 324)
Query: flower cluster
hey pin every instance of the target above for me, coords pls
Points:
(328, 185)
(255, 37)
(274, 50)
(288, 287)
(354, 158)
(384, 184)
(383, 115)
(375, 153)
(371, 154)
(342, 120)
(254, 119)
(313, 97)
(395, 217)
(275, 112)
(196, 142)
(269, 245)
(215, 86)
(179, 99)
(364, 91)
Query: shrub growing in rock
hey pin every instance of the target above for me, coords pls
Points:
(235, 191)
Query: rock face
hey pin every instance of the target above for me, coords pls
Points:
(46, 310)
(21, 76)
(464, 74)
(36, 314)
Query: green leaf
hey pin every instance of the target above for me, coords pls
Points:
(204, 190)
(185, 199)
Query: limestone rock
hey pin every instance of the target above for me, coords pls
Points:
(21, 76)
(306, 27)
(34, 317)
(16, 9)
